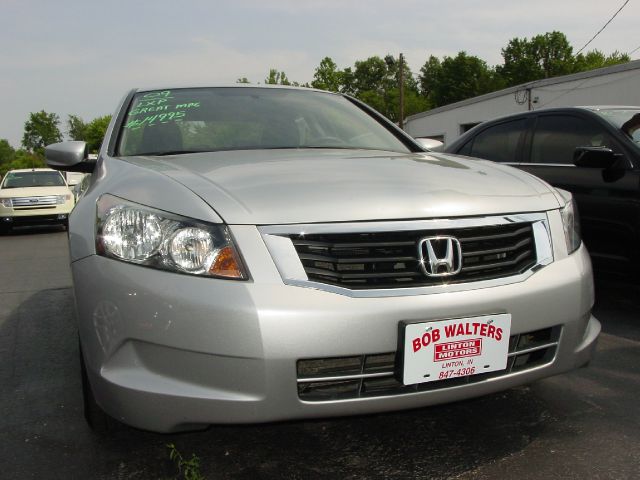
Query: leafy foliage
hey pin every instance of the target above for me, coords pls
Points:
(76, 128)
(95, 131)
(21, 159)
(187, 469)
(375, 81)
(41, 130)
(7, 152)
(596, 59)
(456, 78)
(548, 55)
(277, 78)
(327, 76)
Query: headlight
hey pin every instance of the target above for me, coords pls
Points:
(6, 202)
(61, 199)
(138, 234)
(571, 223)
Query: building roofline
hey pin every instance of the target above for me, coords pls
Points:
(622, 67)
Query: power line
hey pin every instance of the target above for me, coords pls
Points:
(634, 50)
(604, 26)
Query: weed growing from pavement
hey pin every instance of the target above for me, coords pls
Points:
(187, 469)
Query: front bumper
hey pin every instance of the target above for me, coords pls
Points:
(170, 352)
(59, 214)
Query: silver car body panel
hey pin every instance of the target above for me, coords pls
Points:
(167, 352)
(311, 186)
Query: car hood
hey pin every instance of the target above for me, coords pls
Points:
(309, 186)
(33, 191)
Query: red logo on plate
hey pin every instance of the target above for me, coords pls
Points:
(453, 350)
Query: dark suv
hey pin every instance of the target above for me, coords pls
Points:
(594, 152)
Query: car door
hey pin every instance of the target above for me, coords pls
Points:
(607, 201)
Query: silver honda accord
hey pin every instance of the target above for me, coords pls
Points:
(252, 254)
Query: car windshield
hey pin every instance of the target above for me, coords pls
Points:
(627, 120)
(211, 119)
(33, 179)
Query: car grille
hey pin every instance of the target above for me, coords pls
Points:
(360, 376)
(34, 202)
(391, 259)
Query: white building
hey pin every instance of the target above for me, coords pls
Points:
(616, 85)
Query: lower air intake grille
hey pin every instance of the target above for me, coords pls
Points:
(360, 376)
(392, 259)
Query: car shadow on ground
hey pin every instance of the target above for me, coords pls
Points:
(42, 405)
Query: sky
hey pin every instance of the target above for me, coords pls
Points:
(81, 56)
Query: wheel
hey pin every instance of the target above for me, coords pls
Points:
(5, 229)
(96, 418)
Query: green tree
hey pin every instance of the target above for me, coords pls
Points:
(456, 78)
(22, 159)
(375, 81)
(95, 131)
(371, 75)
(76, 128)
(327, 76)
(596, 59)
(243, 80)
(544, 56)
(41, 130)
(7, 152)
(430, 75)
(277, 78)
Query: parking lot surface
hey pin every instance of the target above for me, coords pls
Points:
(585, 424)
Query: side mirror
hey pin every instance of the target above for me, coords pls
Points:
(69, 156)
(429, 143)
(595, 157)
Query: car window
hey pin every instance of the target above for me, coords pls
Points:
(627, 120)
(466, 148)
(556, 137)
(211, 119)
(499, 142)
(33, 179)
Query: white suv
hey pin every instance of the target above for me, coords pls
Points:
(34, 196)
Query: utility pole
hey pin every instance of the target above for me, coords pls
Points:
(401, 122)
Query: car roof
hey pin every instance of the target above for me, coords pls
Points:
(595, 108)
(149, 88)
(589, 108)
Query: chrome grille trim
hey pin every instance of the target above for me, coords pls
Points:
(390, 373)
(527, 351)
(289, 264)
(49, 200)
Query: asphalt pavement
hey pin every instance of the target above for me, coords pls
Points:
(582, 425)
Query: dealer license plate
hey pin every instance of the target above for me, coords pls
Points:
(454, 348)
